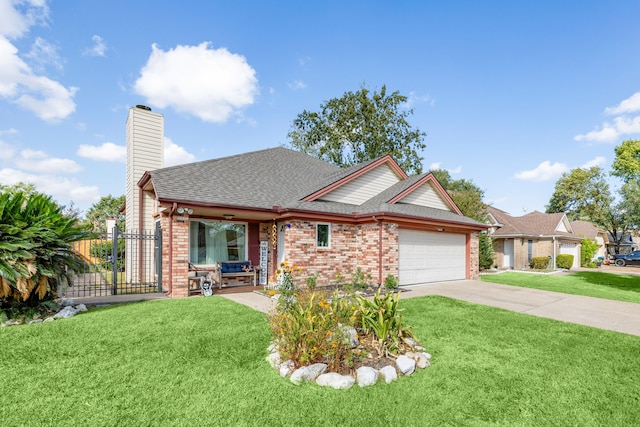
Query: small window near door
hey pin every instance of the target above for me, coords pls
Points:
(323, 233)
(529, 250)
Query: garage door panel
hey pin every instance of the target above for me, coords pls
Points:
(431, 257)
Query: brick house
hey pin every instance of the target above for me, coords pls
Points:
(278, 204)
(518, 239)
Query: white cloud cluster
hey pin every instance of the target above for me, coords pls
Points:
(107, 152)
(545, 171)
(56, 186)
(19, 83)
(175, 154)
(211, 84)
(99, 47)
(625, 122)
(39, 161)
(438, 165)
(110, 152)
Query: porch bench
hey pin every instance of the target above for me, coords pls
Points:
(227, 269)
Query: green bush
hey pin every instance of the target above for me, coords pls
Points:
(539, 263)
(35, 248)
(391, 282)
(564, 261)
(486, 253)
(588, 248)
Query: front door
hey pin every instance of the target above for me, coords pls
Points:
(507, 260)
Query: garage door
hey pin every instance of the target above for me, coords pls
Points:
(571, 249)
(431, 257)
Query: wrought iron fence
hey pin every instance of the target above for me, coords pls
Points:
(118, 264)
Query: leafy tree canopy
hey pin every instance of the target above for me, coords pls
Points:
(627, 162)
(581, 194)
(107, 207)
(467, 195)
(360, 126)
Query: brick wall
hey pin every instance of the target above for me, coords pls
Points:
(474, 256)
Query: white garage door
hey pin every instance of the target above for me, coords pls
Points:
(431, 257)
(571, 249)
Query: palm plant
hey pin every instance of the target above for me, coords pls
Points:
(36, 249)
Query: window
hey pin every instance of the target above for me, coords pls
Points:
(323, 233)
(213, 241)
(529, 250)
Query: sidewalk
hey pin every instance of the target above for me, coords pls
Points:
(599, 313)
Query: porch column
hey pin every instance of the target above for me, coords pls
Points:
(180, 257)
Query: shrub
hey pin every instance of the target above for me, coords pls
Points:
(312, 281)
(35, 247)
(360, 279)
(588, 249)
(391, 282)
(486, 253)
(307, 330)
(539, 263)
(564, 261)
(382, 317)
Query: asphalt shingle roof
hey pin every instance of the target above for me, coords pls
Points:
(279, 177)
(532, 224)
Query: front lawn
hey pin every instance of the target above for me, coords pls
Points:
(200, 361)
(620, 287)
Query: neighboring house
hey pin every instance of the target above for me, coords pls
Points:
(277, 205)
(518, 239)
(588, 230)
(627, 244)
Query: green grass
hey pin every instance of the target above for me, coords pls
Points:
(200, 361)
(620, 287)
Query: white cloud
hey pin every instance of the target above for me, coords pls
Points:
(607, 133)
(296, 85)
(438, 165)
(99, 47)
(14, 23)
(19, 84)
(212, 84)
(622, 125)
(39, 161)
(629, 105)
(175, 154)
(6, 151)
(9, 131)
(414, 99)
(57, 187)
(43, 54)
(107, 152)
(594, 162)
(545, 171)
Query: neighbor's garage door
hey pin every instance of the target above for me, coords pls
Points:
(431, 257)
(571, 249)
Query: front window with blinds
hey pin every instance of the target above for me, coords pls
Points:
(213, 241)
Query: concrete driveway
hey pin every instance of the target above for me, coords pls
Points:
(600, 313)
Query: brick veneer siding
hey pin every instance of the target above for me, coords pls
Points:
(351, 246)
(540, 248)
(474, 256)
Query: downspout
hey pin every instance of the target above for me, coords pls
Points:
(173, 210)
(140, 226)
(554, 252)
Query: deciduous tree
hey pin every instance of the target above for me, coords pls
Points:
(107, 207)
(360, 126)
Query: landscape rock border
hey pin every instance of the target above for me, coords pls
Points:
(68, 309)
(365, 376)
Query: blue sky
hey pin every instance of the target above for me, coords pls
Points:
(510, 94)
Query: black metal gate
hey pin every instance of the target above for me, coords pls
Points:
(117, 264)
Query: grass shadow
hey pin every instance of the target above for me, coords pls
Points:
(623, 282)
